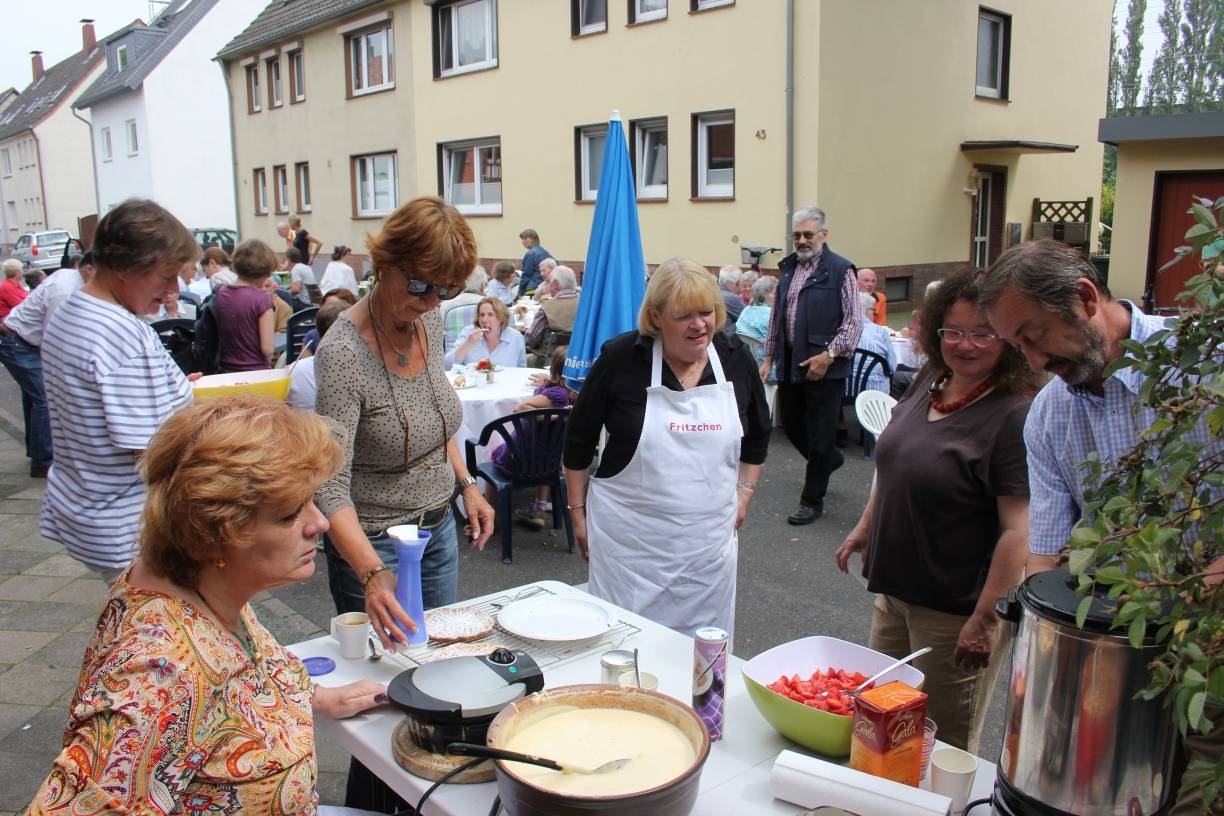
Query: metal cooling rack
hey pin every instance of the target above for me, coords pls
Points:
(545, 654)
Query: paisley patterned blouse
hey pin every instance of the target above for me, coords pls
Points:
(172, 716)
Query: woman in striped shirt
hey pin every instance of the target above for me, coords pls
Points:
(110, 384)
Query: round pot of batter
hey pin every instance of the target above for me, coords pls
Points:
(664, 739)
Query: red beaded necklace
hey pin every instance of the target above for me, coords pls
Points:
(956, 405)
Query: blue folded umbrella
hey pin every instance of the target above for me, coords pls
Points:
(614, 278)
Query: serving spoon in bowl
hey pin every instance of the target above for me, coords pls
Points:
(884, 671)
(472, 749)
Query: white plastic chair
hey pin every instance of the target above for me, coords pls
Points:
(874, 410)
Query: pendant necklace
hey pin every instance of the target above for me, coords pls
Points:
(401, 357)
(244, 637)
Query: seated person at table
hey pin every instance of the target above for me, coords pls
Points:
(185, 702)
(489, 337)
(551, 393)
(754, 320)
(502, 285)
(301, 278)
(879, 303)
(459, 311)
(282, 312)
(246, 318)
(556, 314)
(875, 338)
(546, 268)
(302, 377)
(339, 275)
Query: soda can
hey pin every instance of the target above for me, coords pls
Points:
(710, 677)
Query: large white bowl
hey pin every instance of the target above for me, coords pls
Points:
(271, 382)
(812, 728)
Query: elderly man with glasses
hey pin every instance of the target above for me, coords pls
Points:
(813, 331)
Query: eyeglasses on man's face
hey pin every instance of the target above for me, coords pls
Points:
(806, 234)
(978, 339)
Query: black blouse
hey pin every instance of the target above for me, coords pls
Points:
(614, 395)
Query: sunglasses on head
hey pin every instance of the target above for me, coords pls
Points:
(808, 234)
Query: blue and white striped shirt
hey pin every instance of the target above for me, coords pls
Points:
(110, 384)
(1066, 424)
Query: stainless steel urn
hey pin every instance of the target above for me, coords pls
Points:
(1077, 741)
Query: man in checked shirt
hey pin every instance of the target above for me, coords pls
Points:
(813, 331)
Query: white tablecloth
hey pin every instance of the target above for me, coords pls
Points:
(906, 350)
(735, 779)
(485, 403)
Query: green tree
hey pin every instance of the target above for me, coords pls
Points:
(1200, 72)
(1129, 80)
(1164, 80)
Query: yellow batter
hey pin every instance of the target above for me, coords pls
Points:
(589, 737)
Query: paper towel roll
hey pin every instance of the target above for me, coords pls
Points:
(811, 782)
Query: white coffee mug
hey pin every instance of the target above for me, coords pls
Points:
(629, 678)
(952, 772)
(351, 630)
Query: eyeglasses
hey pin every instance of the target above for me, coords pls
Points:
(808, 234)
(420, 288)
(978, 339)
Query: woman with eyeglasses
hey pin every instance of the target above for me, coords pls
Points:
(380, 379)
(945, 530)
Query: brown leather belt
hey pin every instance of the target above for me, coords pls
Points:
(429, 518)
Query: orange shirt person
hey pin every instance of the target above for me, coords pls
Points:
(867, 283)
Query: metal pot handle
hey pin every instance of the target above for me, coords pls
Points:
(1009, 608)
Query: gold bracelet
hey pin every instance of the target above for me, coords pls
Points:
(365, 579)
(572, 507)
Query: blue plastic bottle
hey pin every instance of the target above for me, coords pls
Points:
(410, 545)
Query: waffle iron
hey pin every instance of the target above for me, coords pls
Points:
(455, 700)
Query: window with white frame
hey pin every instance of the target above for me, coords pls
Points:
(261, 191)
(370, 60)
(7, 160)
(465, 36)
(472, 176)
(702, 5)
(650, 157)
(588, 17)
(993, 53)
(280, 188)
(590, 144)
(297, 76)
(646, 10)
(107, 150)
(254, 103)
(133, 146)
(375, 186)
(302, 171)
(275, 100)
(714, 162)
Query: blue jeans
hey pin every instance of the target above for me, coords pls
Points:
(24, 362)
(439, 569)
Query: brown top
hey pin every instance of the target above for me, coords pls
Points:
(360, 395)
(936, 518)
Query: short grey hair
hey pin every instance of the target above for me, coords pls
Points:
(549, 262)
(810, 214)
(749, 276)
(476, 281)
(565, 279)
(729, 275)
(282, 226)
(930, 288)
(867, 303)
(761, 289)
(12, 268)
(1046, 271)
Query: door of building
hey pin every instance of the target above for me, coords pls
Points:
(1170, 220)
(988, 211)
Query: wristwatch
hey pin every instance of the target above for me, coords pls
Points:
(832, 354)
(464, 484)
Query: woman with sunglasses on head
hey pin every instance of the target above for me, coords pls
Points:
(945, 530)
(380, 379)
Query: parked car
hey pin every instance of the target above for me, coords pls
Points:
(41, 250)
(218, 237)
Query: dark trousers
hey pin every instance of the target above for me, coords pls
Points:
(24, 362)
(810, 413)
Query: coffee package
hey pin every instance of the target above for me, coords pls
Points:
(888, 728)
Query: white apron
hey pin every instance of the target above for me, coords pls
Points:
(662, 531)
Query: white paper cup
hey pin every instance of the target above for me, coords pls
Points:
(351, 630)
(952, 772)
(649, 681)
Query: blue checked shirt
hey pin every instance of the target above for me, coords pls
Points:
(1066, 424)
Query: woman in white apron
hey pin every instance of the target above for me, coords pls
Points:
(660, 532)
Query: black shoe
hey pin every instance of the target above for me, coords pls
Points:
(806, 513)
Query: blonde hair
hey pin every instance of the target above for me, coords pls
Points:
(211, 468)
(499, 309)
(12, 268)
(680, 284)
(426, 239)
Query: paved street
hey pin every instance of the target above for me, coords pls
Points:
(788, 588)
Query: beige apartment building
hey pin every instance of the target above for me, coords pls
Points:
(926, 130)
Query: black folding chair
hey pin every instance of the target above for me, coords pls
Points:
(862, 365)
(535, 441)
(296, 329)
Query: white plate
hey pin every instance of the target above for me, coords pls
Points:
(556, 619)
(469, 383)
